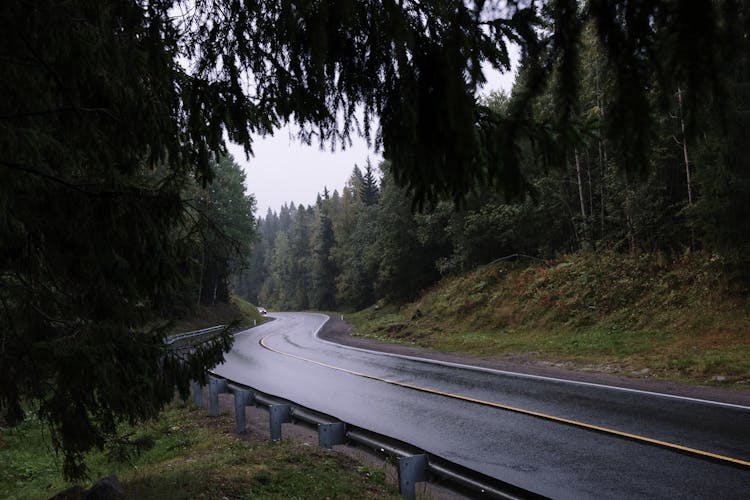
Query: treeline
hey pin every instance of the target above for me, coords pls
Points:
(113, 111)
(95, 263)
(223, 230)
(345, 252)
(690, 191)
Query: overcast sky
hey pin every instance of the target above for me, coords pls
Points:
(284, 170)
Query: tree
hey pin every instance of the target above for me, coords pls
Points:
(299, 278)
(323, 267)
(354, 254)
(368, 189)
(406, 264)
(227, 229)
(109, 110)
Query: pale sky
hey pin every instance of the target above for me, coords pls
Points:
(284, 170)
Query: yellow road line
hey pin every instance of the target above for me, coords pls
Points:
(553, 418)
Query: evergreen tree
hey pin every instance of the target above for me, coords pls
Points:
(299, 280)
(405, 263)
(227, 228)
(368, 185)
(111, 109)
(324, 271)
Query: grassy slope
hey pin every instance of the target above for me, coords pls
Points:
(637, 316)
(221, 314)
(191, 455)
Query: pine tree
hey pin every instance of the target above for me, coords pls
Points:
(110, 110)
(368, 188)
(324, 271)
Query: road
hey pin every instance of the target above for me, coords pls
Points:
(558, 438)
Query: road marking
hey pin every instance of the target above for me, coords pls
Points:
(522, 411)
(530, 376)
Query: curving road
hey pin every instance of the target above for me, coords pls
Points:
(558, 438)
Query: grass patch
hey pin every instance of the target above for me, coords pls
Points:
(239, 310)
(676, 320)
(193, 456)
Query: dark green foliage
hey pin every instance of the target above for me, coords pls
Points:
(589, 189)
(722, 211)
(416, 66)
(111, 111)
(226, 227)
(324, 271)
(368, 190)
(99, 146)
(406, 263)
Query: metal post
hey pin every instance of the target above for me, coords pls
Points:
(332, 434)
(411, 470)
(215, 387)
(197, 393)
(278, 414)
(242, 398)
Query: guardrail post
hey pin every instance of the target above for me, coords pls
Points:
(216, 386)
(331, 434)
(242, 398)
(411, 470)
(278, 414)
(197, 392)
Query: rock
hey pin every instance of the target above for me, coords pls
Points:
(108, 488)
(719, 378)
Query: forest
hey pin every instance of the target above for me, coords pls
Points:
(689, 192)
(120, 208)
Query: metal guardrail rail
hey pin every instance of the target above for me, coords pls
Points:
(171, 339)
(414, 465)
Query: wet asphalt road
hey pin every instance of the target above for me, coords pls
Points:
(551, 458)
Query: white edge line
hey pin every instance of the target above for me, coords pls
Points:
(524, 375)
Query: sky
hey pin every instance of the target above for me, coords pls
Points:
(284, 170)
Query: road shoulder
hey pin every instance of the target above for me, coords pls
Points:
(338, 331)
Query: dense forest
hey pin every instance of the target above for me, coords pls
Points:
(689, 192)
(119, 208)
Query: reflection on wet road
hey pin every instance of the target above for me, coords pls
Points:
(557, 438)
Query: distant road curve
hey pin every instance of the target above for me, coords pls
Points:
(559, 438)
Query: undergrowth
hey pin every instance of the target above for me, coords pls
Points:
(243, 313)
(191, 455)
(644, 315)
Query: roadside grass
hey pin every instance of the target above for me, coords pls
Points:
(191, 455)
(239, 310)
(643, 316)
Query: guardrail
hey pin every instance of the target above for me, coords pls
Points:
(414, 465)
(171, 339)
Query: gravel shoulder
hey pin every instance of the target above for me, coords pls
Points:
(338, 331)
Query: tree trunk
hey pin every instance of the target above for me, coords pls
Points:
(684, 149)
(602, 163)
(602, 157)
(687, 166)
(628, 216)
(203, 270)
(591, 196)
(585, 239)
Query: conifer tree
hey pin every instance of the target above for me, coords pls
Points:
(110, 110)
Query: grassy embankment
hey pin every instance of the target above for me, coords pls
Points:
(221, 314)
(639, 316)
(191, 455)
(188, 454)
